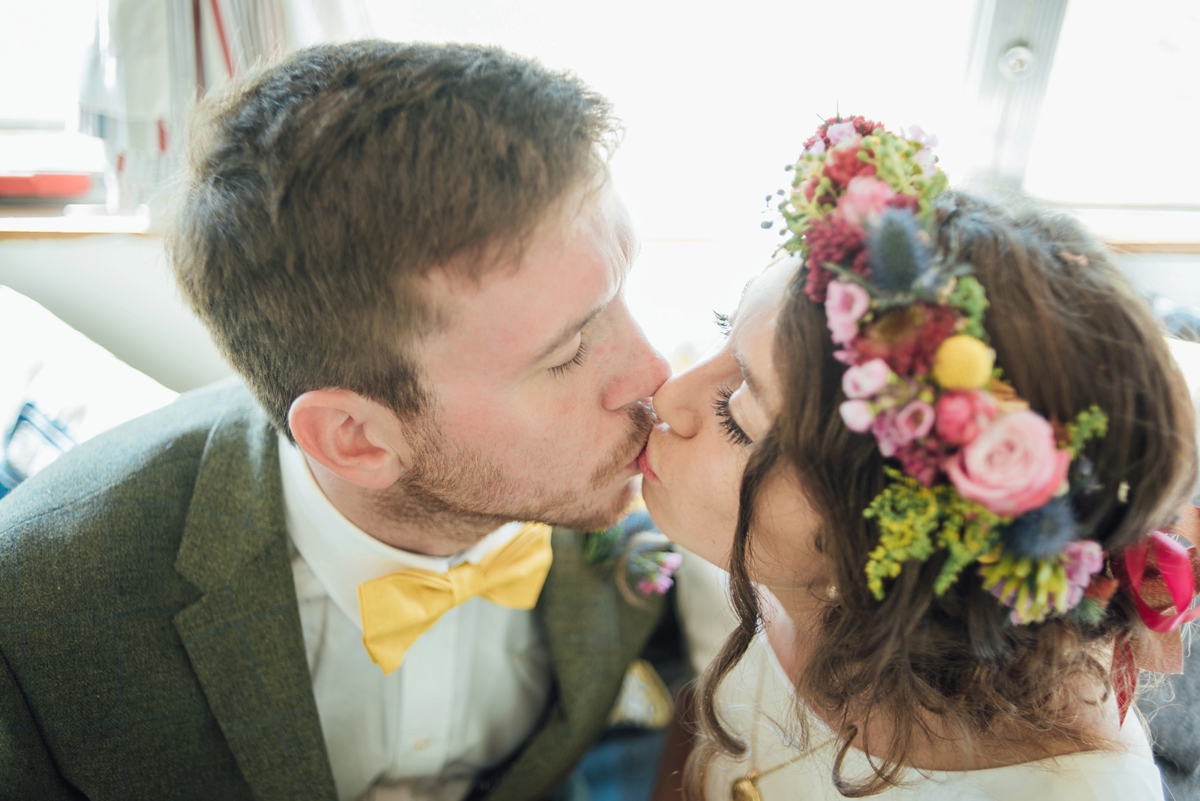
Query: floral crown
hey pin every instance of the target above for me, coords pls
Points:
(982, 477)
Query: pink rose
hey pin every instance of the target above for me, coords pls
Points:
(915, 420)
(864, 198)
(962, 415)
(857, 415)
(1012, 466)
(818, 147)
(865, 380)
(845, 304)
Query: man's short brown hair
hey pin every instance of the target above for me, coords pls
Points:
(322, 187)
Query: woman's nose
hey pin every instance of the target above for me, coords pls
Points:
(680, 402)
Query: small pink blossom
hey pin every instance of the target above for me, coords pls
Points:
(865, 197)
(1085, 558)
(671, 562)
(845, 304)
(915, 420)
(917, 134)
(845, 356)
(962, 415)
(840, 131)
(925, 160)
(898, 432)
(1012, 466)
(655, 586)
(857, 415)
(921, 460)
(865, 380)
(890, 436)
(818, 147)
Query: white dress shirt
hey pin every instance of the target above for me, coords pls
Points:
(471, 689)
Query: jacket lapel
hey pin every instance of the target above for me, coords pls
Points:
(243, 635)
(592, 634)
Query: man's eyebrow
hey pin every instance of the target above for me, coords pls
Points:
(570, 330)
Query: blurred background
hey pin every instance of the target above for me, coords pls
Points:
(1090, 105)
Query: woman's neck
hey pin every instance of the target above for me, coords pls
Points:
(790, 621)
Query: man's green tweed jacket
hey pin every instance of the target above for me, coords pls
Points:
(150, 637)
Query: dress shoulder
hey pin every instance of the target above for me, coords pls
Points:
(759, 707)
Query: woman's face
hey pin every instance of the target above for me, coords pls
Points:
(709, 418)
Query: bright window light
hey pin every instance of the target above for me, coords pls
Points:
(1119, 121)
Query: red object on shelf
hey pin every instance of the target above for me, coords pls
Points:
(45, 184)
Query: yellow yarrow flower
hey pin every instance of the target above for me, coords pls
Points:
(963, 362)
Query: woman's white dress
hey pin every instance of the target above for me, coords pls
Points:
(758, 704)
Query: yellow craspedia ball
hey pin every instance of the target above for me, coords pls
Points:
(963, 362)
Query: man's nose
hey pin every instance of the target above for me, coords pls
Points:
(645, 372)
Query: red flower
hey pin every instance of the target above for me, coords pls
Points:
(1101, 589)
(906, 338)
(842, 163)
(909, 202)
(808, 187)
(832, 241)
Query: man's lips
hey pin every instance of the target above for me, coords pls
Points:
(635, 464)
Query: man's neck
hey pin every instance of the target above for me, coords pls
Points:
(419, 529)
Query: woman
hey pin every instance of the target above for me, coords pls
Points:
(940, 435)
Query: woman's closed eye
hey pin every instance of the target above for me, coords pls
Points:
(725, 418)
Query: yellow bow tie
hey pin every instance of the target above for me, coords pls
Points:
(398, 608)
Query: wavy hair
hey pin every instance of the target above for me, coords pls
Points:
(1069, 332)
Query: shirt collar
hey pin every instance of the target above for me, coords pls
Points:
(340, 554)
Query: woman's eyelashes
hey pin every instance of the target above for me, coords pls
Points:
(725, 418)
(724, 323)
(574, 361)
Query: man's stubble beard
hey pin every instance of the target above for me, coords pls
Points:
(461, 495)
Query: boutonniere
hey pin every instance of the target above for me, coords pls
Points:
(635, 549)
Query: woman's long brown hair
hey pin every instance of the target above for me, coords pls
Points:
(1069, 333)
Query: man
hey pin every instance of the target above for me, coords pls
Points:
(312, 588)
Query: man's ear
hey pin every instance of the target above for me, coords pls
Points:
(357, 439)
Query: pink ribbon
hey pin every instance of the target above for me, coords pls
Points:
(1175, 566)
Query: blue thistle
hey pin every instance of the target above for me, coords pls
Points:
(901, 261)
(1041, 533)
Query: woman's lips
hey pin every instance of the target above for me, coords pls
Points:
(644, 464)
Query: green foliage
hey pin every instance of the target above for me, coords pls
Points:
(970, 298)
(916, 521)
(1090, 423)
(601, 546)
(1089, 612)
